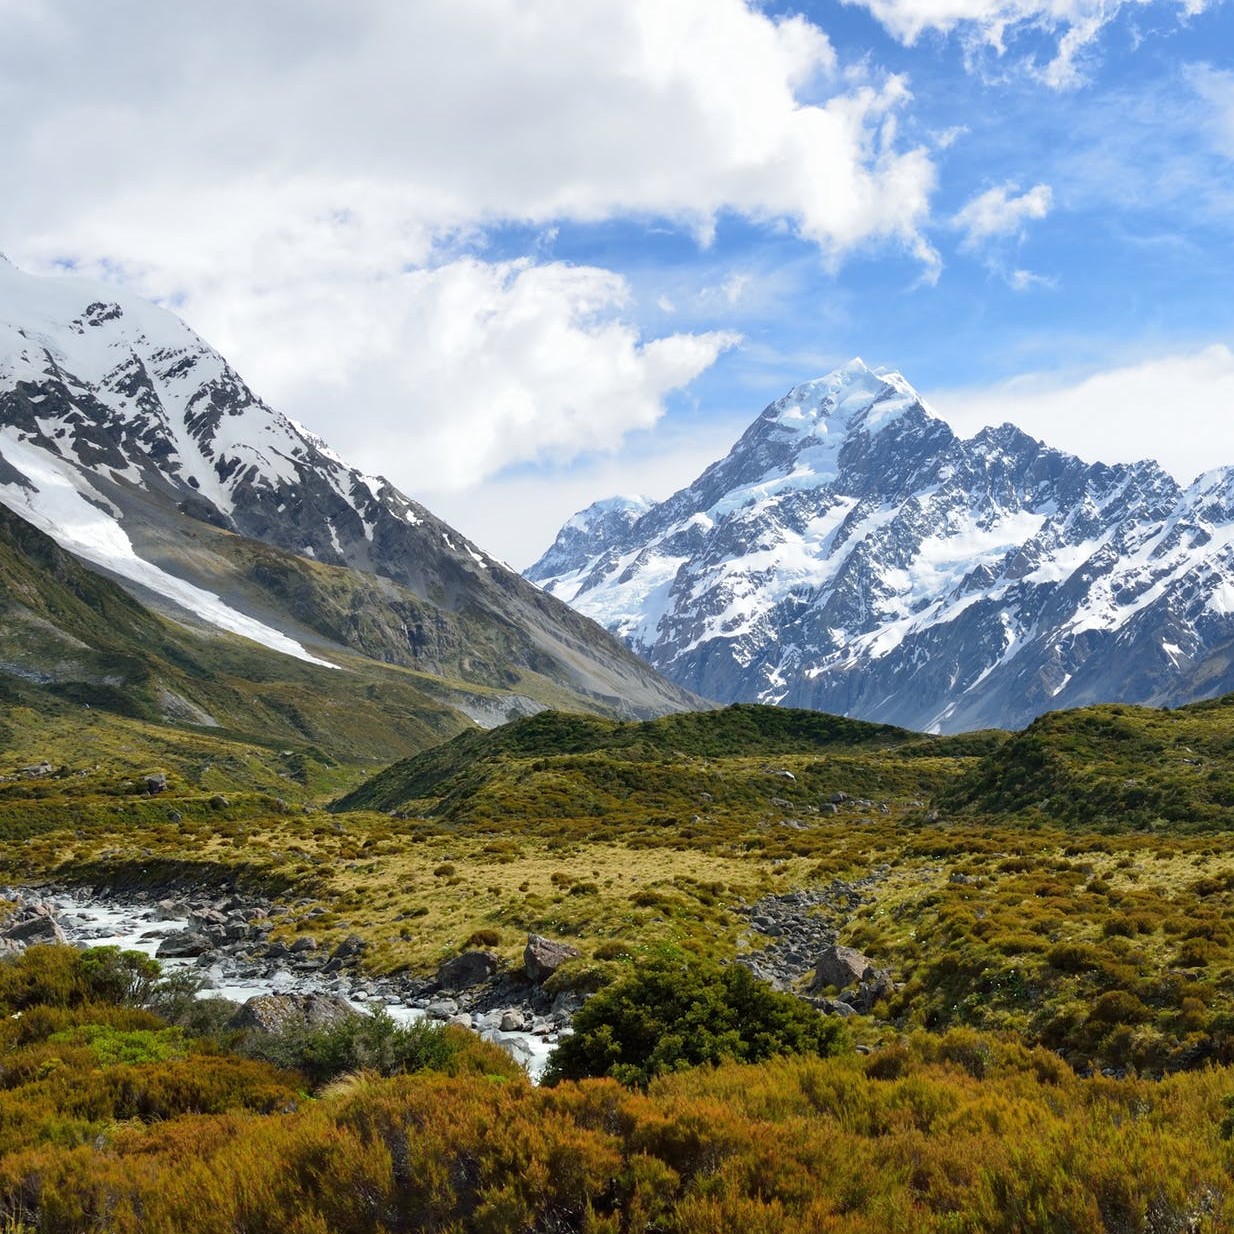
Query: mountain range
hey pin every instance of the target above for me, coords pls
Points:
(852, 554)
(137, 448)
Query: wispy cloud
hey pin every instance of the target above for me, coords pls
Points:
(1000, 26)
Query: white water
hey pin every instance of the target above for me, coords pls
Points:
(140, 927)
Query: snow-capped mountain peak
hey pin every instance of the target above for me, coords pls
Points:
(852, 398)
(851, 553)
(122, 432)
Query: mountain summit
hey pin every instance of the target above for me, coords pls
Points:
(852, 554)
(137, 447)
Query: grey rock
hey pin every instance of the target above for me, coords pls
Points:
(352, 946)
(841, 967)
(542, 957)
(41, 928)
(183, 945)
(466, 970)
(513, 1021)
(835, 1006)
(275, 1013)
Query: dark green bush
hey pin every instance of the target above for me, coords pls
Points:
(674, 1014)
(53, 976)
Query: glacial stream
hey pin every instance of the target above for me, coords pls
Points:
(142, 926)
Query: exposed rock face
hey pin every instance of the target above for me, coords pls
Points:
(851, 554)
(542, 957)
(275, 1013)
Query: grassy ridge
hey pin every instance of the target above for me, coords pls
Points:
(462, 769)
(1111, 767)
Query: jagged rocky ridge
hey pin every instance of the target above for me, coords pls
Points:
(137, 447)
(852, 554)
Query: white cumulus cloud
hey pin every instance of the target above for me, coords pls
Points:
(480, 365)
(312, 184)
(998, 213)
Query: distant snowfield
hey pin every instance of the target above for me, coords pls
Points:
(61, 504)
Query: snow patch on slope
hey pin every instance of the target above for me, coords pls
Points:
(60, 503)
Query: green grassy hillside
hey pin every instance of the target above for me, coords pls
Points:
(1112, 767)
(559, 764)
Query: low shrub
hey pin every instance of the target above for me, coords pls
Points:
(673, 1014)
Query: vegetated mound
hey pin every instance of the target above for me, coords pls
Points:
(1113, 766)
(458, 768)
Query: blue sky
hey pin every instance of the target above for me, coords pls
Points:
(520, 254)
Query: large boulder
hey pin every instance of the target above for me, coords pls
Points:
(542, 957)
(276, 1013)
(183, 945)
(471, 968)
(41, 928)
(841, 967)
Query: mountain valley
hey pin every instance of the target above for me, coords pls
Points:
(789, 969)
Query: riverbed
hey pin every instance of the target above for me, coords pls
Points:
(140, 925)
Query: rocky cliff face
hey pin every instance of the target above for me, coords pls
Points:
(136, 446)
(852, 554)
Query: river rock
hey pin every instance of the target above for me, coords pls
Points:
(463, 971)
(542, 957)
(183, 945)
(513, 1021)
(275, 1013)
(42, 928)
(350, 947)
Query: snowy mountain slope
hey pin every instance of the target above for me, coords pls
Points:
(852, 554)
(136, 446)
